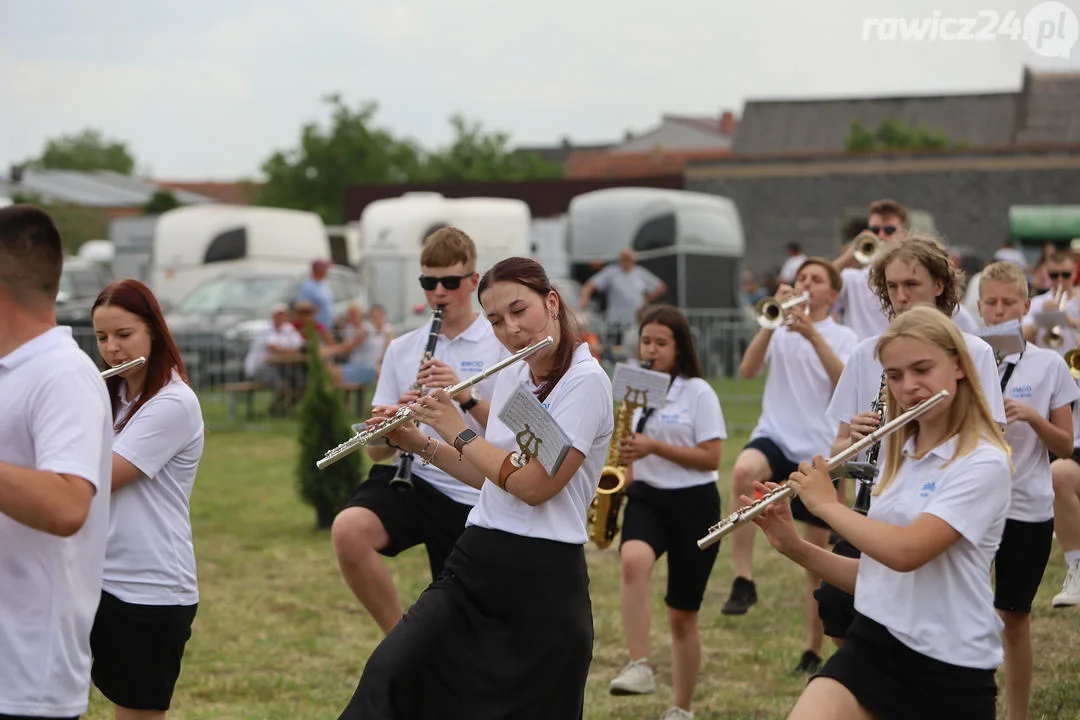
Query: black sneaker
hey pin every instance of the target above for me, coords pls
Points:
(809, 664)
(743, 595)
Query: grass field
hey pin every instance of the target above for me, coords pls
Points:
(279, 636)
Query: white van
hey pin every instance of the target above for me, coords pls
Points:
(194, 243)
(392, 236)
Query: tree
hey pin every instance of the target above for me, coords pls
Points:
(75, 223)
(894, 134)
(86, 151)
(477, 155)
(160, 202)
(323, 425)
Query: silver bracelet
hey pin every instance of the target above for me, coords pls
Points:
(430, 457)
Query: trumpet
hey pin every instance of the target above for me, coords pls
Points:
(405, 413)
(1055, 336)
(772, 314)
(867, 247)
(744, 515)
(1072, 359)
(117, 369)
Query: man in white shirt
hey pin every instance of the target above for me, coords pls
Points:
(382, 519)
(796, 257)
(55, 465)
(888, 221)
(1061, 270)
(805, 361)
(628, 287)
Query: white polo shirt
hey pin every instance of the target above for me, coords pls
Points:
(1041, 380)
(861, 306)
(798, 389)
(56, 417)
(1072, 308)
(287, 337)
(150, 558)
(581, 404)
(944, 609)
(470, 353)
(861, 381)
(690, 416)
(965, 320)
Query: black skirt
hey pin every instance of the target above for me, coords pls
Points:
(505, 632)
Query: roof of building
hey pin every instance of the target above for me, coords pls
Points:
(232, 193)
(559, 154)
(584, 164)
(99, 188)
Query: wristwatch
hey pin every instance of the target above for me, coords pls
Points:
(463, 438)
(473, 401)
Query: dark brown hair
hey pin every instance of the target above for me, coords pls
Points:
(529, 273)
(137, 299)
(887, 208)
(686, 359)
(835, 281)
(31, 256)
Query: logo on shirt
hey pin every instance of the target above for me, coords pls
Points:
(669, 418)
(473, 366)
(927, 488)
(1021, 391)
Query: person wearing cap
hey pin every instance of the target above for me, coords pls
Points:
(317, 290)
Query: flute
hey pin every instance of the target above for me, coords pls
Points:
(117, 369)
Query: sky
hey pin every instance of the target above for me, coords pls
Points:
(208, 89)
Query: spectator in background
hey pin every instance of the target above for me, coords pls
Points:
(305, 311)
(362, 347)
(317, 291)
(628, 287)
(1008, 253)
(1040, 278)
(279, 337)
(752, 291)
(383, 334)
(796, 257)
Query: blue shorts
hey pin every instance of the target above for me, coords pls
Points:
(363, 374)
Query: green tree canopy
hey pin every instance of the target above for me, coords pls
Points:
(894, 134)
(87, 150)
(160, 202)
(352, 150)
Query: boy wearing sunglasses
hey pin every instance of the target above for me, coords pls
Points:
(861, 308)
(1060, 268)
(381, 519)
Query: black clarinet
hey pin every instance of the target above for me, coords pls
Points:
(865, 477)
(402, 479)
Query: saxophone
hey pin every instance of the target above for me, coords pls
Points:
(603, 514)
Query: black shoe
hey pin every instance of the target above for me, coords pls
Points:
(743, 595)
(809, 664)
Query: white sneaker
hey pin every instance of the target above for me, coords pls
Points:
(1070, 589)
(677, 713)
(635, 679)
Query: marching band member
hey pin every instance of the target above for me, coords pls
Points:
(1065, 472)
(888, 221)
(1039, 392)
(150, 592)
(918, 272)
(926, 640)
(672, 463)
(805, 360)
(380, 519)
(1060, 269)
(506, 630)
(54, 478)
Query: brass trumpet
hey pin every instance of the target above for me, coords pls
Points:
(1072, 359)
(773, 314)
(745, 514)
(1055, 336)
(405, 413)
(117, 369)
(867, 247)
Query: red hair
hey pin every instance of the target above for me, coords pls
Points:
(164, 360)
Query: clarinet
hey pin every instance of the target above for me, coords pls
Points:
(402, 479)
(866, 479)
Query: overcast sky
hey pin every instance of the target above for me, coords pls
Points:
(207, 89)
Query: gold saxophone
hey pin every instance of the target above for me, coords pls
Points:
(603, 514)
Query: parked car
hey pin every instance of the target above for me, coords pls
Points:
(214, 324)
(80, 283)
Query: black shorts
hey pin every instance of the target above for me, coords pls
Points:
(1020, 562)
(672, 521)
(137, 651)
(782, 467)
(894, 682)
(1075, 455)
(421, 516)
(836, 608)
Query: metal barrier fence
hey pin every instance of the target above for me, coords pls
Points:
(215, 360)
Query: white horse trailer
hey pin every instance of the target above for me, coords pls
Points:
(393, 233)
(195, 243)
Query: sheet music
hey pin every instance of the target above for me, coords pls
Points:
(1005, 339)
(652, 384)
(535, 428)
(1050, 318)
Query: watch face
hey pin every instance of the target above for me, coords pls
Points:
(466, 436)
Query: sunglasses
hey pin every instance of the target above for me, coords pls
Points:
(889, 229)
(450, 282)
(1055, 275)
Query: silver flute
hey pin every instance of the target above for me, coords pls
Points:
(117, 369)
(745, 514)
(405, 413)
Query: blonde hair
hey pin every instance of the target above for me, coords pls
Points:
(969, 416)
(1004, 272)
(448, 246)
